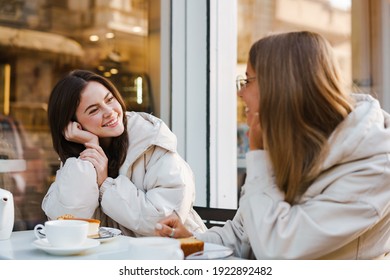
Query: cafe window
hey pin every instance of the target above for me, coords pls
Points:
(258, 18)
(40, 41)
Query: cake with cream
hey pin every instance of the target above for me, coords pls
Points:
(93, 229)
(191, 245)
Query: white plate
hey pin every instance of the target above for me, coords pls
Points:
(112, 234)
(211, 252)
(44, 245)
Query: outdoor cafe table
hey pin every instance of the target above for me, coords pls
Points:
(20, 247)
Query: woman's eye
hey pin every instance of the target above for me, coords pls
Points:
(110, 99)
(93, 111)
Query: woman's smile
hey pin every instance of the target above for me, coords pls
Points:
(111, 123)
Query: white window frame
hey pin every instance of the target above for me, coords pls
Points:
(223, 104)
(203, 100)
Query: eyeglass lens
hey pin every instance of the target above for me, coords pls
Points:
(240, 82)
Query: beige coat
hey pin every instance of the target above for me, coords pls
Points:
(345, 213)
(154, 181)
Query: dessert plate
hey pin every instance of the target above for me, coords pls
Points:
(44, 245)
(107, 234)
(211, 252)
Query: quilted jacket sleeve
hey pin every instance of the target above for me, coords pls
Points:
(320, 223)
(74, 191)
(166, 186)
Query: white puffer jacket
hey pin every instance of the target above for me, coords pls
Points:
(154, 181)
(344, 214)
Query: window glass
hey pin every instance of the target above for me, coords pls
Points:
(40, 41)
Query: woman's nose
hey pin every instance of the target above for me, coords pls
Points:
(107, 111)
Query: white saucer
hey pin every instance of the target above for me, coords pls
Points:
(44, 245)
(112, 233)
(211, 252)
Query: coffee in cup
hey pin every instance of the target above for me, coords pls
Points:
(63, 233)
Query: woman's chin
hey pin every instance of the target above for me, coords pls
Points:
(113, 132)
(119, 131)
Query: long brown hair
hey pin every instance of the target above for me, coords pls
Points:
(302, 101)
(63, 102)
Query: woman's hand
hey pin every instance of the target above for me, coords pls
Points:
(75, 133)
(172, 226)
(95, 154)
(255, 134)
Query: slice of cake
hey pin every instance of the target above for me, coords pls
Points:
(93, 229)
(191, 245)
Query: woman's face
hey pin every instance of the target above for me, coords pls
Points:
(99, 112)
(250, 95)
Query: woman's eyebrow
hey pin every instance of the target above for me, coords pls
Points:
(92, 105)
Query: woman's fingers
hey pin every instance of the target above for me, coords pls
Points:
(164, 230)
(75, 133)
(166, 226)
(95, 147)
(68, 131)
(172, 227)
(98, 159)
(91, 153)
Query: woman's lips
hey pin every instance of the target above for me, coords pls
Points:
(111, 123)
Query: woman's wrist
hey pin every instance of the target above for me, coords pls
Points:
(108, 182)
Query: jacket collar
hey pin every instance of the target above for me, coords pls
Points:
(364, 133)
(145, 131)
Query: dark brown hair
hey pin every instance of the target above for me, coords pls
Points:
(63, 102)
(302, 101)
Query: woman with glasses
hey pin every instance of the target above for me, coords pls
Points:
(119, 167)
(318, 169)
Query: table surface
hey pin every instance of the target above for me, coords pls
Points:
(20, 247)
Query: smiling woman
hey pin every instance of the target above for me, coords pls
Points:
(119, 167)
(333, 19)
(318, 169)
(40, 41)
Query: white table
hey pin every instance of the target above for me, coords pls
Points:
(20, 247)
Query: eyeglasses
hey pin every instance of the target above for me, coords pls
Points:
(241, 82)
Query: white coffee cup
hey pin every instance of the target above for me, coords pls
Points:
(155, 248)
(63, 233)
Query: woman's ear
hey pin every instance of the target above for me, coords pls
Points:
(79, 126)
